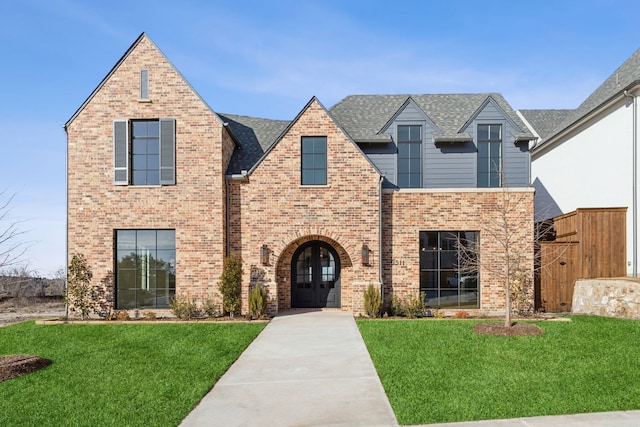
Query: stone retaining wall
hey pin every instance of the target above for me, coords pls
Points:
(607, 297)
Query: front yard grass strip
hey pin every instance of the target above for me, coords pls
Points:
(439, 371)
(117, 375)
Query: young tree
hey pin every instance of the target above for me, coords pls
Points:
(80, 296)
(510, 264)
(12, 247)
(229, 284)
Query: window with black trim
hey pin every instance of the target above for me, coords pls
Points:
(410, 156)
(144, 152)
(449, 269)
(314, 160)
(489, 155)
(145, 268)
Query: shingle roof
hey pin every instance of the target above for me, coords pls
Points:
(364, 116)
(254, 136)
(625, 77)
(544, 122)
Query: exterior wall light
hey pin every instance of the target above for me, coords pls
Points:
(264, 255)
(365, 254)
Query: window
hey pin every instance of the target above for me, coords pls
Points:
(145, 268)
(144, 152)
(448, 268)
(410, 156)
(489, 155)
(314, 160)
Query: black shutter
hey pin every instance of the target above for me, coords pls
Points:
(120, 152)
(167, 151)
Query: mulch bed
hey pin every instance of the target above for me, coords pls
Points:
(20, 364)
(500, 329)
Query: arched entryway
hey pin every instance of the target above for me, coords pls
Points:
(315, 276)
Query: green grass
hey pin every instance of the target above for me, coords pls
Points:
(117, 375)
(439, 371)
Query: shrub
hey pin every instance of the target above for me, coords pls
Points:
(229, 284)
(183, 307)
(461, 314)
(415, 306)
(258, 300)
(80, 296)
(149, 315)
(211, 306)
(438, 314)
(395, 306)
(372, 301)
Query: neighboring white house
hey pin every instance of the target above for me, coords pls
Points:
(588, 157)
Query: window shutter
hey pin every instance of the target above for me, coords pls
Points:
(120, 152)
(167, 151)
(144, 84)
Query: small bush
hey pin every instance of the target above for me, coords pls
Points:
(211, 306)
(461, 314)
(118, 315)
(395, 307)
(149, 315)
(438, 314)
(258, 300)
(372, 301)
(183, 307)
(415, 306)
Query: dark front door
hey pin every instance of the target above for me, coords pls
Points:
(315, 276)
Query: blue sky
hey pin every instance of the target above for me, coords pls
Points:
(268, 58)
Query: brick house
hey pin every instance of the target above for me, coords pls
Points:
(383, 190)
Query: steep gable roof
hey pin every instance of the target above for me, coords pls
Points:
(132, 48)
(544, 122)
(365, 116)
(624, 78)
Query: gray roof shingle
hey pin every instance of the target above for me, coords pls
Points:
(625, 77)
(364, 116)
(254, 136)
(544, 122)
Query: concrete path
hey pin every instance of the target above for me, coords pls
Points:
(313, 369)
(304, 369)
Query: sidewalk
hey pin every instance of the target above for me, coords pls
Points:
(305, 369)
(313, 369)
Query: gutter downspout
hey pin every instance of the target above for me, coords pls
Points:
(634, 209)
(380, 239)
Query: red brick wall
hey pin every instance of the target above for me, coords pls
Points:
(194, 207)
(271, 207)
(407, 212)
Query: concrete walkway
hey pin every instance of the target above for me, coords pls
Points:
(304, 369)
(313, 369)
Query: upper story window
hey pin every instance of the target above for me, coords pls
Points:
(489, 155)
(144, 152)
(410, 156)
(314, 160)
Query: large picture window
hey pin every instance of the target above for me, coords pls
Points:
(410, 156)
(489, 156)
(314, 160)
(449, 269)
(145, 268)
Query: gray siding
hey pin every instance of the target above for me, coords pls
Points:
(515, 157)
(452, 165)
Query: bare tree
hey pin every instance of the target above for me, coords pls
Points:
(12, 245)
(509, 263)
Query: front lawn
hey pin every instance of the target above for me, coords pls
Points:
(117, 375)
(439, 371)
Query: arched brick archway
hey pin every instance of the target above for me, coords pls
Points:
(283, 269)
